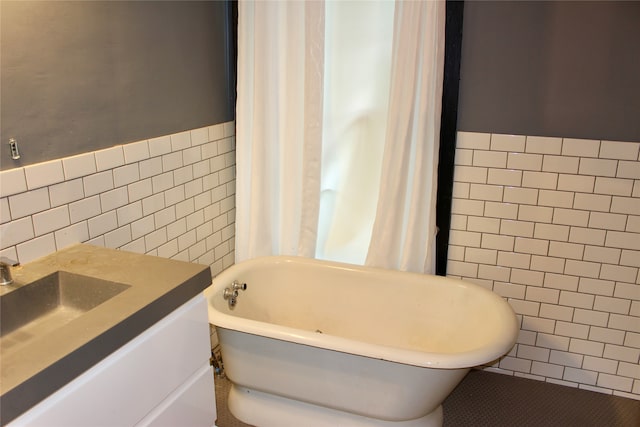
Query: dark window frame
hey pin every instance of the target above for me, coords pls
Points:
(448, 130)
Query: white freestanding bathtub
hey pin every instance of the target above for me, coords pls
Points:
(315, 343)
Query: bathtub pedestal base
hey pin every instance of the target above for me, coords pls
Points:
(265, 410)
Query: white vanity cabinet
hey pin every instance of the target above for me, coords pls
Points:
(160, 378)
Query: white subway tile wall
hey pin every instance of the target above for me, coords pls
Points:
(172, 196)
(553, 226)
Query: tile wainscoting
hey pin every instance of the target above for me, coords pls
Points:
(172, 196)
(553, 226)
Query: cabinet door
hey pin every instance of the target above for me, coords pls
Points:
(189, 406)
(123, 388)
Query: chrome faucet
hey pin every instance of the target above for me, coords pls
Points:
(5, 271)
(231, 292)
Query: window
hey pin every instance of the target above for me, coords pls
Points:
(358, 44)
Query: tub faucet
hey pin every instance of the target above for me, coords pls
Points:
(231, 292)
(5, 270)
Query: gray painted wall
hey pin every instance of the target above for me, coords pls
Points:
(568, 69)
(80, 76)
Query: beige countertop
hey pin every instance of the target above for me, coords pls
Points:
(29, 373)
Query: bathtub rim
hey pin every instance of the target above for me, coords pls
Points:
(466, 359)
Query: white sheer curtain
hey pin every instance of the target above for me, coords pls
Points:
(403, 235)
(281, 142)
(278, 127)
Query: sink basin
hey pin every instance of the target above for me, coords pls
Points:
(46, 304)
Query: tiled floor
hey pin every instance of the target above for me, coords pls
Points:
(490, 399)
(485, 399)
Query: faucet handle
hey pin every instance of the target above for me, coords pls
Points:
(9, 262)
(238, 286)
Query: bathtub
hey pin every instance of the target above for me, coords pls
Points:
(316, 343)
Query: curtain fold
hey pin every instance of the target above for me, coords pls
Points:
(279, 122)
(403, 235)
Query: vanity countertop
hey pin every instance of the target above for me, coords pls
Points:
(157, 286)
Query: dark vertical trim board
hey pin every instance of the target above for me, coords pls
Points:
(448, 128)
(232, 52)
